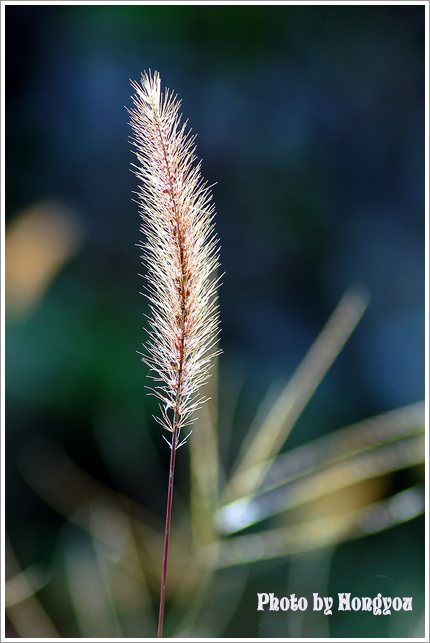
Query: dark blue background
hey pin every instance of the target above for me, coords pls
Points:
(311, 121)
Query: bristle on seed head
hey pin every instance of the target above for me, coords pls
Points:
(180, 252)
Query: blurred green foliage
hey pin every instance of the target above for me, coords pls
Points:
(311, 121)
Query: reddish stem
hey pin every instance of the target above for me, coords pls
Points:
(167, 536)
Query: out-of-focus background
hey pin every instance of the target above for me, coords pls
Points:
(311, 122)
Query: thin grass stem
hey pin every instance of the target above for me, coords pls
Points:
(167, 535)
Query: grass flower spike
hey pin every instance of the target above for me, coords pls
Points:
(181, 253)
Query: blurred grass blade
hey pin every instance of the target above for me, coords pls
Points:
(268, 438)
(329, 449)
(344, 443)
(80, 498)
(325, 531)
(204, 465)
(360, 467)
(215, 607)
(129, 533)
(88, 591)
(24, 585)
(22, 607)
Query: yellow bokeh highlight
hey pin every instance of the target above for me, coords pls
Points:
(39, 242)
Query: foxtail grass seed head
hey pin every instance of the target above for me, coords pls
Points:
(180, 253)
